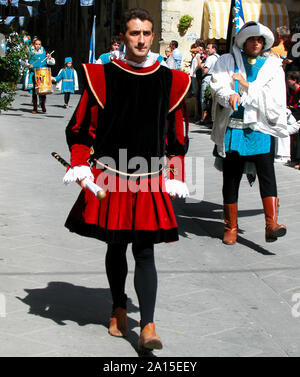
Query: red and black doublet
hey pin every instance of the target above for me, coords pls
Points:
(138, 111)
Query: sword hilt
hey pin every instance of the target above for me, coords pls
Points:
(97, 190)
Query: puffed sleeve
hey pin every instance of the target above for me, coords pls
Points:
(177, 133)
(82, 128)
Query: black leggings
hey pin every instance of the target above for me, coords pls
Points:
(67, 98)
(233, 166)
(145, 277)
(41, 97)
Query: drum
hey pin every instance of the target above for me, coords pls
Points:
(43, 83)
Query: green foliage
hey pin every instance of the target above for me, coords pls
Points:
(10, 70)
(7, 95)
(207, 94)
(184, 23)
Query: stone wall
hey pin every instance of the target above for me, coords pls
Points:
(172, 11)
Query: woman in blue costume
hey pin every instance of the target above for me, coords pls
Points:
(38, 58)
(245, 123)
(67, 80)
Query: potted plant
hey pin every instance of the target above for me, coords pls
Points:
(184, 23)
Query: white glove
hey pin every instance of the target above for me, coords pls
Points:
(177, 188)
(78, 173)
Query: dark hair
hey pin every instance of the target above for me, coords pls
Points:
(174, 43)
(115, 39)
(200, 43)
(133, 13)
(294, 75)
(65, 65)
(213, 45)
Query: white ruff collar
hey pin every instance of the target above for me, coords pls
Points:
(150, 60)
(37, 52)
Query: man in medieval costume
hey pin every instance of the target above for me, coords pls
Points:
(130, 114)
(246, 123)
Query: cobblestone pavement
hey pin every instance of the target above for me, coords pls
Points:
(213, 300)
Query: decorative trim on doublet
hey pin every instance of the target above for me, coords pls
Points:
(96, 80)
(180, 86)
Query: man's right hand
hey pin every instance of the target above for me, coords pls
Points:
(234, 101)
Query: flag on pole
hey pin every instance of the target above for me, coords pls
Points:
(236, 18)
(8, 20)
(14, 3)
(239, 22)
(86, 3)
(239, 15)
(92, 58)
(32, 11)
(21, 21)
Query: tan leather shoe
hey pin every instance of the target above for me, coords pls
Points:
(118, 323)
(148, 338)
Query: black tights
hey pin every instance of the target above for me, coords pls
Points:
(41, 97)
(67, 98)
(233, 166)
(145, 277)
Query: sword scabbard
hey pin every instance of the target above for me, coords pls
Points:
(60, 159)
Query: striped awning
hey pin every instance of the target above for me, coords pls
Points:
(216, 15)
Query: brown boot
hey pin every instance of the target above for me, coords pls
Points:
(273, 230)
(118, 322)
(35, 109)
(231, 227)
(148, 338)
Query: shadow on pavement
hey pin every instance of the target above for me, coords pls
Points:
(25, 110)
(53, 116)
(195, 218)
(61, 106)
(14, 115)
(34, 115)
(201, 131)
(61, 302)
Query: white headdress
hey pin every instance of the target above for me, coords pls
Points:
(254, 29)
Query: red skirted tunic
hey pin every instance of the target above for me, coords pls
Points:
(130, 119)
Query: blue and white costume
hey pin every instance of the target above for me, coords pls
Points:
(67, 80)
(38, 60)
